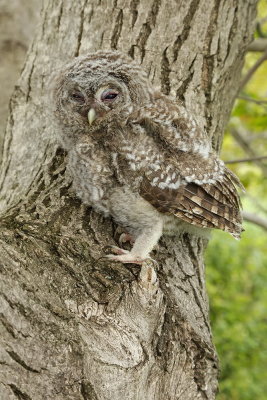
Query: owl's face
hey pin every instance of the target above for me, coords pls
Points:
(98, 89)
(93, 103)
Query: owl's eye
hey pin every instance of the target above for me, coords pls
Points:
(109, 95)
(78, 97)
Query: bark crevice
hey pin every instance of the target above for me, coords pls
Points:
(186, 28)
(117, 30)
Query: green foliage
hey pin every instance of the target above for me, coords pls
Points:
(237, 271)
(253, 115)
(236, 282)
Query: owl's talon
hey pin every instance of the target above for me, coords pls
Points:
(116, 250)
(126, 237)
(126, 258)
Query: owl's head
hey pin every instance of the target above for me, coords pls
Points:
(97, 89)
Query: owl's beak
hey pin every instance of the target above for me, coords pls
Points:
(91, 116)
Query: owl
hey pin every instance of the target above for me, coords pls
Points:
(138, 156)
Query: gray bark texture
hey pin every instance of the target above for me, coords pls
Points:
(75, 326)
(18, 19)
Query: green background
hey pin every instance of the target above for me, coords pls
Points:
(236, 271)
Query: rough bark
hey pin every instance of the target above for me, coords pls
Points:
(73, 325)
(18, 19)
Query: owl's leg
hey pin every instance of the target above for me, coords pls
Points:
(142, 247)
(140, 219)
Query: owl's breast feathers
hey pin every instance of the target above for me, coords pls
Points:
(182, 176)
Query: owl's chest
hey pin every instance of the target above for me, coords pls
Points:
(92, 175)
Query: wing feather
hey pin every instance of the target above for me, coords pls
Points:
(182, 176)
(209, 205)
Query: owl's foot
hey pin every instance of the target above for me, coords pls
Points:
(116, 250)
(123, 256)
(126, 237)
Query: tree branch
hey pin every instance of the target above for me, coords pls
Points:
(257, 136)
(259, 44)
(255, 219)
(259, 26)
(245, 145)
(252, 70)
(246, 160)
(247, 98)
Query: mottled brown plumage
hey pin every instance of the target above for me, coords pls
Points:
(138, 155)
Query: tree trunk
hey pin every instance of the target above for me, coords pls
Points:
(75, 326)
(17, 21)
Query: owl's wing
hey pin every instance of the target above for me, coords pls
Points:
(206, 205)
(171, 125)
(189, 181)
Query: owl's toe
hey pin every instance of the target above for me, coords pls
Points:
(125, 258)
(116, 250)
(126, 237)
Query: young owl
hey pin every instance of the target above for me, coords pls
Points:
(139, 156)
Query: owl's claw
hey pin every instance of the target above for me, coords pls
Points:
(123, 256)
(116, 250)
(126, 237)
